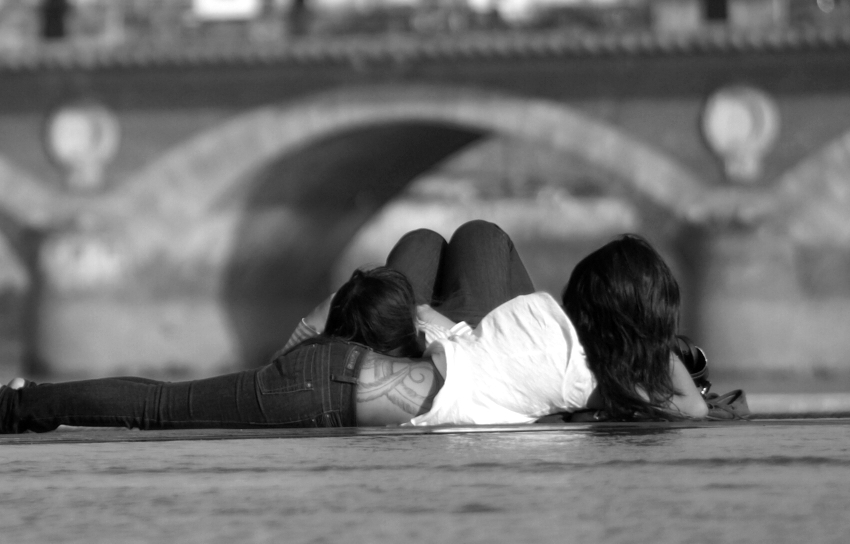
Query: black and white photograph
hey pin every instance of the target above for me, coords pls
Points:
(296, 271)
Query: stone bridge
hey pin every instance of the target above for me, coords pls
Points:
(216, 196)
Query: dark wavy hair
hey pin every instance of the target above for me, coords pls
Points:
(624, 303)
(376, 308)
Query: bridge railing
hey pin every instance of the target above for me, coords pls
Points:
(28, 24)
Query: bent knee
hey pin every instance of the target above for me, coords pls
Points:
(479, 229)
(422, 237)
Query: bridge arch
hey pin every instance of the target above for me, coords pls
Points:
(196, 175)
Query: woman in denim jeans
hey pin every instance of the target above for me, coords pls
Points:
(312, 382)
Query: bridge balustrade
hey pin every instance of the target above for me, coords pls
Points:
(27, 24)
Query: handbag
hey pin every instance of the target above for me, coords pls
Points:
(731, 405)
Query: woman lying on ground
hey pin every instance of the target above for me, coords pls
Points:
(309, 386)
(510, 355)
(524, 359)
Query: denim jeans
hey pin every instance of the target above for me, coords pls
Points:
(465, 278)
(309, 386)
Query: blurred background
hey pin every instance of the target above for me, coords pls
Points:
(182, 180)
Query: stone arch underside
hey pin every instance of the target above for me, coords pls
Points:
(193, 177)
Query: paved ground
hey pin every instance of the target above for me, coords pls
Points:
(762, 481)
(791, 394)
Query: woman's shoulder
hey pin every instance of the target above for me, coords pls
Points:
(537, 297)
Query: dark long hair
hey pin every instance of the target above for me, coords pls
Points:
(376, 308)
(624, 303)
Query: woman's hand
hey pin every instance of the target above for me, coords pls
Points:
(429, 315)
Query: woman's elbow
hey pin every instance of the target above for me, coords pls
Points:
(695, 408)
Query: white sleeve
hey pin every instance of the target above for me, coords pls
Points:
(302, 332)
(435, 332)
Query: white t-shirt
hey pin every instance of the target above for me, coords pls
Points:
(522, 362)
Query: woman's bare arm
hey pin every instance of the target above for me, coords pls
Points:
(688, 401)
(310, 326)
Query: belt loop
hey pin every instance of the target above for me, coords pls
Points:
(351, 358)
(353, 361)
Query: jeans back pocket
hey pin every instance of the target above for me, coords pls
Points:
(293, 371)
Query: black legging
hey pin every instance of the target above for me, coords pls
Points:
(465, 278)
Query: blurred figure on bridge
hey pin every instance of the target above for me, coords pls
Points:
(54, 14)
